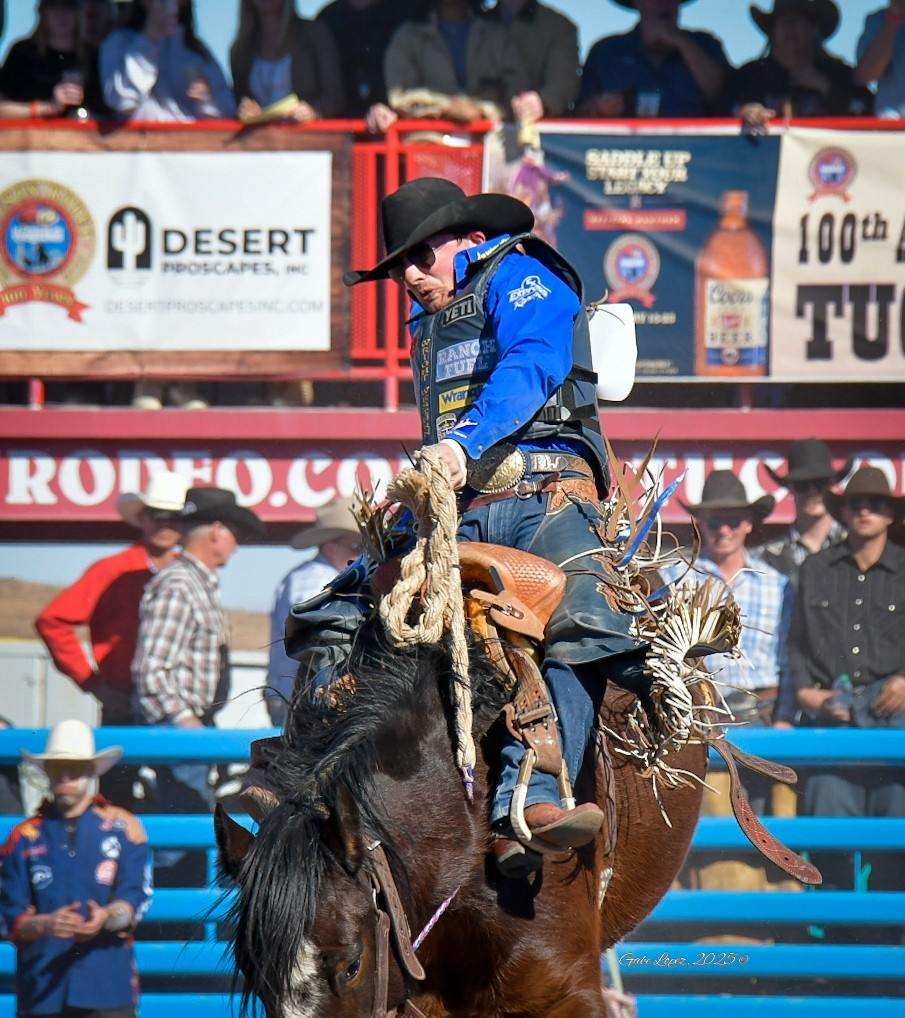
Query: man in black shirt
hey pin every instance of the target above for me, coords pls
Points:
(847, 649)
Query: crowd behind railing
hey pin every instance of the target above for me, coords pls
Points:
(459, 60)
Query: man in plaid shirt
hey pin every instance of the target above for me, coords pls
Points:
(181, 665)
(726, 518)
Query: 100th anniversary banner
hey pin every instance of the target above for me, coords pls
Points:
(780, 256)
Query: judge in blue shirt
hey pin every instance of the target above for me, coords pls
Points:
(76, 880)
(506, 392)
(657, 70)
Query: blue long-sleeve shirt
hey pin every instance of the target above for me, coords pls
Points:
(532, 311)
(48, 863)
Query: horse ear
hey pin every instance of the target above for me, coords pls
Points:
(342, 831)
(233, 842)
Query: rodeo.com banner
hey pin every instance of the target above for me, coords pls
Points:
(165, 250)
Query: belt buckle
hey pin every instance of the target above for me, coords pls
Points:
(498, 470)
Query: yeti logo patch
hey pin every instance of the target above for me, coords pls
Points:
(531, 289)
(465, 308)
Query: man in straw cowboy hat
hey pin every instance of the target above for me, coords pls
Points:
(657, 70)
(810, 474)
(106, 599)
(506, 394)
(334, 534)
(727, 518)
(847, 655)
(75, 880)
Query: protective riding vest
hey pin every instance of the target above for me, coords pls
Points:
(454, 353)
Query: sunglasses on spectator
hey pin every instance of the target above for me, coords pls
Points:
(731, 520)
(872, 503)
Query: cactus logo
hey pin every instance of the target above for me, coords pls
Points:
(129, 246)
(47, 243)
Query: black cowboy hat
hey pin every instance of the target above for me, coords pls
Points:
(723, 490)
(430, 205)
(217, 505)
(810, 459)
(824, 14)
(865, 481)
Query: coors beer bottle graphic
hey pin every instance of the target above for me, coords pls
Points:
(732, 296)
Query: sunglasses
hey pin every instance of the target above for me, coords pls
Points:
(423, 256)
(731, 520)
(872, 503)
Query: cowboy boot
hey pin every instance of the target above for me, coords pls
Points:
(513, 860)
(561, 829)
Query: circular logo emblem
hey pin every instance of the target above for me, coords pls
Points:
(831, 171)
(631, 266)
(41, 877)
(105, 872)
(110, 848)
(47, 242)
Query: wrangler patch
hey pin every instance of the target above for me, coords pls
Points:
(472, 356)
(467, 307)
(531, 289)
(461, 396)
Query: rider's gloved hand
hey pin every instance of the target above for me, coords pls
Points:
(453, 456)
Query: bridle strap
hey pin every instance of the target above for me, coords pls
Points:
(394, 918)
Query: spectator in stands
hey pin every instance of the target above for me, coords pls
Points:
(656, 70)
(43, 75)
(362, 30)
(881, 58)
(335, 535)
(277, 54)
(106, 599)
(810, 473)
(181, 666)
(797, 77)
(453, 64)
(97, 20)
(547, 46)
(727, 519)
(847, 649)
(158, 69)
(76, 881)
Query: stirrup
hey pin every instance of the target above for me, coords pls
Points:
(517, 807)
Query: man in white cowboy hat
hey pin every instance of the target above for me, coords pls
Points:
(656, 70)
(334, 534)
(75, 880)
(726, 518)
(106, 598)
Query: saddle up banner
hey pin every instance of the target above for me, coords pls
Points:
(775, 257)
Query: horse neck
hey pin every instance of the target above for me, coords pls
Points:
(439, 836)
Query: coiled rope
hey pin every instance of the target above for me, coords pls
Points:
(429, 575)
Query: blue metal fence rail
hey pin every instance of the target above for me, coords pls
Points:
(813, 965)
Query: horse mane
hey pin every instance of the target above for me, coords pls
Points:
(327, 759)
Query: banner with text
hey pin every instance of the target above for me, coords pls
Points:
(839, 258)
(743, 257)
(165, 250)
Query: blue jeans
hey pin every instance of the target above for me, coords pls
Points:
(586, 641)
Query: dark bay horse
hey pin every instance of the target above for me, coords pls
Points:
(379, 768)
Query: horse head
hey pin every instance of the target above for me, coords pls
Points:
(310, 937)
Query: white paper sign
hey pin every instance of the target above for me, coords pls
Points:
(165, 250)
(839, 258)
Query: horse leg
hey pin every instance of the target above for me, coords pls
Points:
(580, 1004)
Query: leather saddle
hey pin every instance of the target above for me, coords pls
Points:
(518, 590)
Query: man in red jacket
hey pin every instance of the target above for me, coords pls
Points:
(106, 598)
